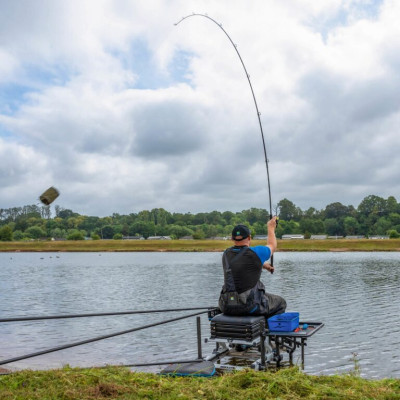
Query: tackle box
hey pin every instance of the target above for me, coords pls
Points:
(236, 327)
(286, 322)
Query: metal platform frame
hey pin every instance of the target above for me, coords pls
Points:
(263, 351)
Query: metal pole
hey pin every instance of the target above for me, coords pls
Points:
(262, 347)
(67, 346)
(39, 318)
(161, 363)
(199, 352)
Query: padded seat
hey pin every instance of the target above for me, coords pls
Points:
(236, 327)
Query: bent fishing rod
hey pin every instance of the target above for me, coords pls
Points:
(254, 98)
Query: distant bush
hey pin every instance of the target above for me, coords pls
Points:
(6, 234)
(117, 236)
(95, 236)
(35, 232)
(18, 235)
(75, 235)
(393, 234)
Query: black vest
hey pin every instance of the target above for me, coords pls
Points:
(243, 292)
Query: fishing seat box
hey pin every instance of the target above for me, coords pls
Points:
(286, 322)
(236, 327)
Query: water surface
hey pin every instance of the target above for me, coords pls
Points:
(354, 294)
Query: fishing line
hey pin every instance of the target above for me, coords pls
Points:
(254, 98)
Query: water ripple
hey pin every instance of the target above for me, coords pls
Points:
(354, 294)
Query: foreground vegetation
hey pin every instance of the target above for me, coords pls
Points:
(198, 245)
(120, 383)
(373, 216)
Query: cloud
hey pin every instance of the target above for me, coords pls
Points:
(169, 128)
(122, 111)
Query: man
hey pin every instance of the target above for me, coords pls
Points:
(243, 293)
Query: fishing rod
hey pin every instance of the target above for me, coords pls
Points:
(254, 98)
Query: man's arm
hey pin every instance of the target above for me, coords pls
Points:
(271, 241)
(268, 267)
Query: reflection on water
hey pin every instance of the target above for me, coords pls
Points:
(354, 294)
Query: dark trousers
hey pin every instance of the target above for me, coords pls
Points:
(276, 304)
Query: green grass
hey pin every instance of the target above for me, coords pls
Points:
(199, 245)
(120, 383)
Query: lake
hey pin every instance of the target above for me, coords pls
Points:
(356, 295)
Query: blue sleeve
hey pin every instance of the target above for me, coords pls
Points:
(263, 252)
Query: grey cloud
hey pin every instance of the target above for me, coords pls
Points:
(167, 129)
(346, 146)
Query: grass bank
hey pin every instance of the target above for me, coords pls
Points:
(198, 245)
(120, 383)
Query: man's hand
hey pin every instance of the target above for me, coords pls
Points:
(271, 224)
(268, 267)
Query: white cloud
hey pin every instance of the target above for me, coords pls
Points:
(324, 74)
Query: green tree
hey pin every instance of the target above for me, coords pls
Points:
(394, 218)
(312, 213)
(311, 226)
(145, 216)
(6, 234)
(107, 232)
(65, 213)
(35, 232)
(117, 236)
(351, 226)
(227, 216)
(393, 234)
(199, 234)
(392, 206)
(18, 235)
(142, 228)
(382, 226)
(288, 210)
(58, 233)
(75, 235)
(336, 210)
(254, 215)
(332, 227)
(260, 228)
(178, 231)
(372, 204)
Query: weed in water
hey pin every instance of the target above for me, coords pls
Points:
(357, 369)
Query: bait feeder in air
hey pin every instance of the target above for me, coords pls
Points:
(49, 196)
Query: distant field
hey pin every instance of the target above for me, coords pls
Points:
(199, 245)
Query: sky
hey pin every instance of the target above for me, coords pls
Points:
(123, 111)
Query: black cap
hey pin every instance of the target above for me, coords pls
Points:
(240, 232)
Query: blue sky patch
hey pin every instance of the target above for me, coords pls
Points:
(11, 97)
(366, 10)
(34, 79)
(139, 59)
(4, 133)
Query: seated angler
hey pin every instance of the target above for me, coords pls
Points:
(243, 293)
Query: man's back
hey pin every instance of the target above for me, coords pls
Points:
(246, 269)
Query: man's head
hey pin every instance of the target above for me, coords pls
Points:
(240, 233)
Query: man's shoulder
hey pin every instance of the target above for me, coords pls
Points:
(263, 252)
(259, 248)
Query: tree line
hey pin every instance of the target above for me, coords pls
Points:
(373, 216)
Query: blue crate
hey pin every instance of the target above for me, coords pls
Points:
(286, 322)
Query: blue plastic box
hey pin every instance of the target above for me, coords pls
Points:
(286, 322)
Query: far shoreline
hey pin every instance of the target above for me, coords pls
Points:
(305, 245)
